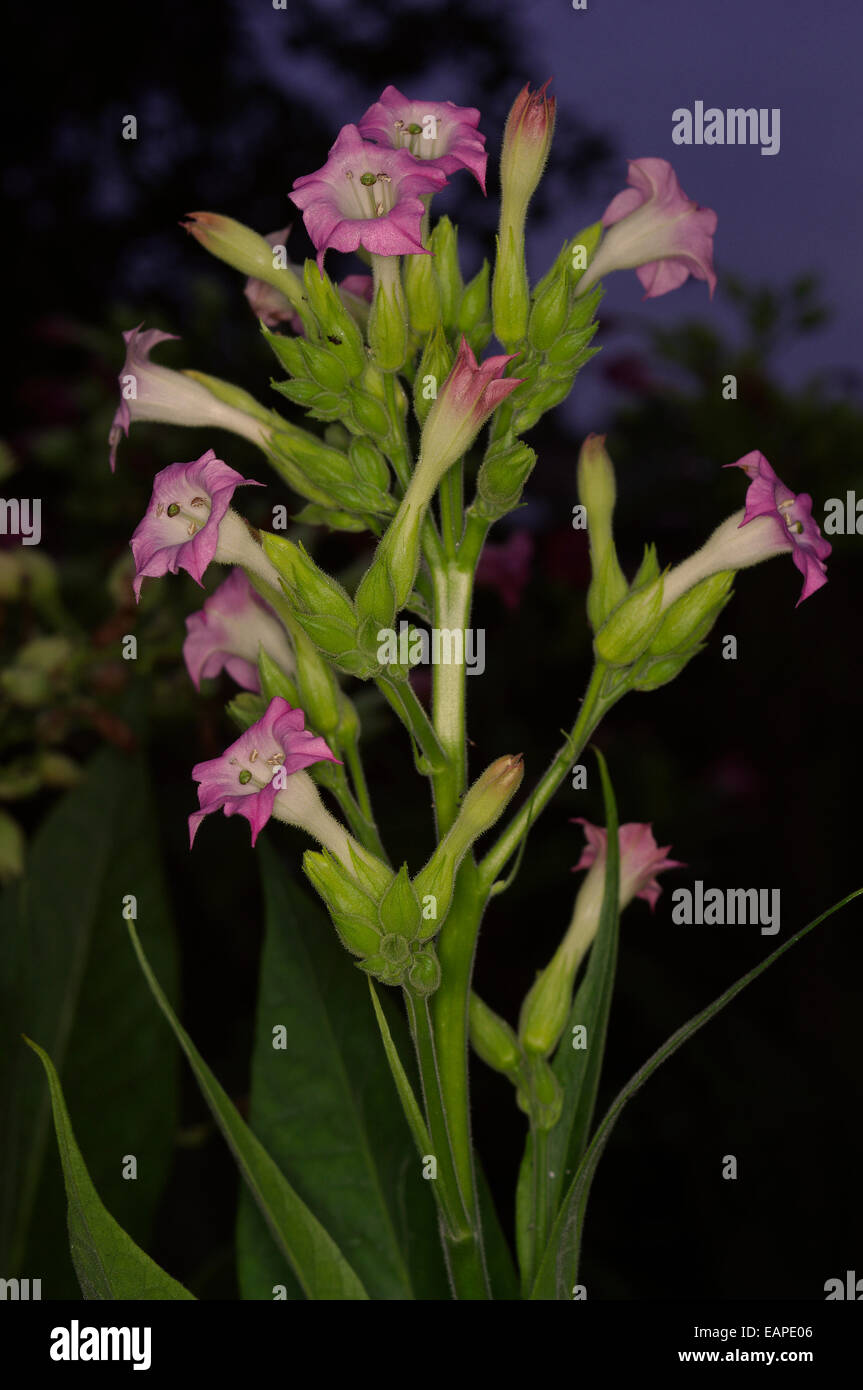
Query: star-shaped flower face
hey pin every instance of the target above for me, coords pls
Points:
(249, 776)
(366, 195)
(180, 529)
(795, 528)
(440, 132)
(641, 859)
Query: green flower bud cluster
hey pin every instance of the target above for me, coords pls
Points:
(654, 640)
(378, 917)
(321, 607)
(355, 481)
(680, 635)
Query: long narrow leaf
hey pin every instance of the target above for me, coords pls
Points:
(108, 1263)
(559, 1268)
(319, 1265)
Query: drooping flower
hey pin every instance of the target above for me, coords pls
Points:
(189, 522)
(366, 195)
(774, 521)
(654, 229)
(262, 775)
(150, 392)
(506, 567)
(228, 632)
(547, 1003)
(641, 859)
(464, 402)
(440, 132)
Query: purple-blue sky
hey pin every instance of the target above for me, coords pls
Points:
(631, 64)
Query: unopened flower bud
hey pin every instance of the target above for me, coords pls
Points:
(388, 320)
(245, 251)
(484, 803)
(492, 1039)
(422, 293)
(526, 144)
(443, 245)
(597, 491)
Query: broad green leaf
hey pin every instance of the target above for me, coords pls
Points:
(326, 1107)
(559, 1269)
(318, 1264)
(68, 978)
(578, 1069)
(107, 1261)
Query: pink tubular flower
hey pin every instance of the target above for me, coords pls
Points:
(464, 402)
(790, 518)
(150, 392)
(641, 859)
(228, 632)
(440, 132)
(261, 775)
(655, 230)
(774, 521)
(366, 195)
(189, 508)
(506, 567)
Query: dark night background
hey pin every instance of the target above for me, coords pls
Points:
(750, 769)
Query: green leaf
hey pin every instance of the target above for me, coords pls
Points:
(68, 978)
(107, 1261)
(559, 1269)
(578, 1069)
(319, 1265)
(327, 1110)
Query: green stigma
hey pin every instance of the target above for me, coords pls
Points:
(414, 129)
(245, 776)
(173, 508)
(368, 179)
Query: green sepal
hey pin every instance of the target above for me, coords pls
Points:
(274, 681)
(436, 362)
(443, 244)
(422, 292)
(246, 709)
(628, 632)
(313, 514)
(474, 308)
(424, 974)
(399, 908)
(336, 323)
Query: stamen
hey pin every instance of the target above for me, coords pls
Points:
(192, 527)
(253, 755)
(379, 209)
(160, 508)
(399, 125)
(349, 173)
(198, 502)
(173, 508)
(789, 502)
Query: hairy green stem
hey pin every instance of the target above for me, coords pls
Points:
(593, 708)
(460, 1236)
